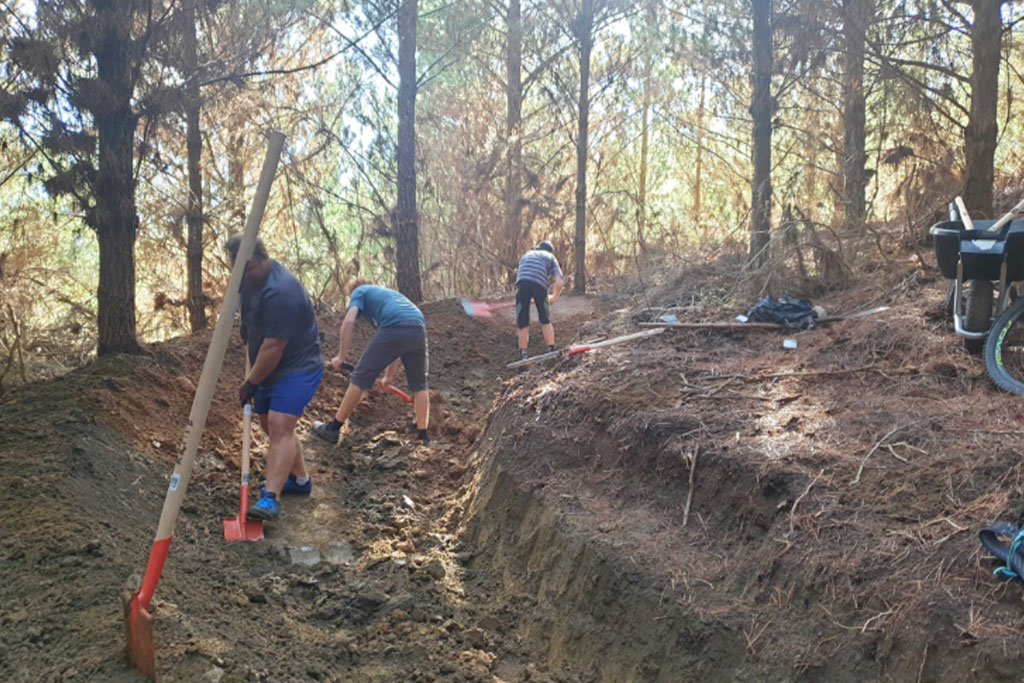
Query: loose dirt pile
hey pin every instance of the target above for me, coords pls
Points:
(695, 506)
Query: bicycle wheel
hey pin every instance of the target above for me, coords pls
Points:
(1004, 349)
(978, 313)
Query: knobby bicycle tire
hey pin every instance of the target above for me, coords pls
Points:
(1004, 349)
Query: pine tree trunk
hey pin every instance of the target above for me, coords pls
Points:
(236, 175)
(980, 134)
(641, 209)
(114, 218)
(857, 17)
(698, 169)
(586, 41)
(514, 141)
(761, 110)
(194, 149)
(407, 238)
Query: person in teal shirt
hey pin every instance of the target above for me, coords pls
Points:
(401, 336)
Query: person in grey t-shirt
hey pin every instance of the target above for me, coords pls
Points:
(538, 268)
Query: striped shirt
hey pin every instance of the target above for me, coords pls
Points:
(537, 266)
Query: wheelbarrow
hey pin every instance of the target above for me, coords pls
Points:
(982, 260)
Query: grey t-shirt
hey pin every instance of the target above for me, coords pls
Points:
(537, 265)
(281, 309)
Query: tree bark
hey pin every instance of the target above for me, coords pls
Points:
(641, 209)
(514, 140)
(114, 219)
(585, 36)
(236, 174)
(407, 237)
(698, 167)
(761, 109)
(981, 131)
(194, 150)
(857, 18)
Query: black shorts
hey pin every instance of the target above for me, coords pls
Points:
(408, 342)
(526, 290)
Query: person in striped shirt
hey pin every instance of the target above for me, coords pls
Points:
(538, 269)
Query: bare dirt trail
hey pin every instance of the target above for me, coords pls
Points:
(696, 506)
(362, 581)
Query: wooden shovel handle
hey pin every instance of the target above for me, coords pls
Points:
(208, 379)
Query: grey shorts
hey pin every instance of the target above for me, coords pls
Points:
(408, 342)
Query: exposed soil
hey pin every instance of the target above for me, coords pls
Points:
(551, 532)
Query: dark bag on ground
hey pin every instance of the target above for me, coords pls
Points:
(786, 311)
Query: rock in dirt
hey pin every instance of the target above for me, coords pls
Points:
(214, 675)
(491, 623)
(371, 597)
(435, 570)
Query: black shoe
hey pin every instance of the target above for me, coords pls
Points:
(324, 431)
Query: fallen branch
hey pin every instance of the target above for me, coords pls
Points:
(860, 470)
(813, 373)
(792, 510)
(689, 493)
(720, 326)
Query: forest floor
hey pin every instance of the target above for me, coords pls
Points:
(695, 506)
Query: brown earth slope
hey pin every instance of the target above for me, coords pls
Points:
(360, 582)
(552, 532)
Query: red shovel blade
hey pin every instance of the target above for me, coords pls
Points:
(396, 391)
(476, 309)
(138, 628)
(480, 309)
(240, 528)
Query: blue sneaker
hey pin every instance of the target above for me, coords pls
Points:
(265, 509)
(293, 487)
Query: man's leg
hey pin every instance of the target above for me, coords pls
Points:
(353, 395)
(284, 456)
(544, 316)
(523, 317)
(376, 357)
(421, 406)
(549, 334)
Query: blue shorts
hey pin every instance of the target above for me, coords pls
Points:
(289, 395)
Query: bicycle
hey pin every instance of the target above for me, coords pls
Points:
(984, 255)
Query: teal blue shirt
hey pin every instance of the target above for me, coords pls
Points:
(385, 307)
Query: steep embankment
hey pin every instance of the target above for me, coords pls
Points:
(830, 531)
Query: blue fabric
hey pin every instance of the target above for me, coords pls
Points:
(538, 266)
(289, 395)
(385, 307)
(280, 308)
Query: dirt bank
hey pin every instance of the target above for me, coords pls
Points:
(552, 532)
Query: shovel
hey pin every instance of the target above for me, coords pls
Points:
(396, 391)
(349, 368)
(138, 621)
(482, 309)
(240, 528)
(588, 346)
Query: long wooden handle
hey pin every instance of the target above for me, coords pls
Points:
(208, 379)
(1007, 217)
(582, 348)
(246, 442)
(964, 216)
